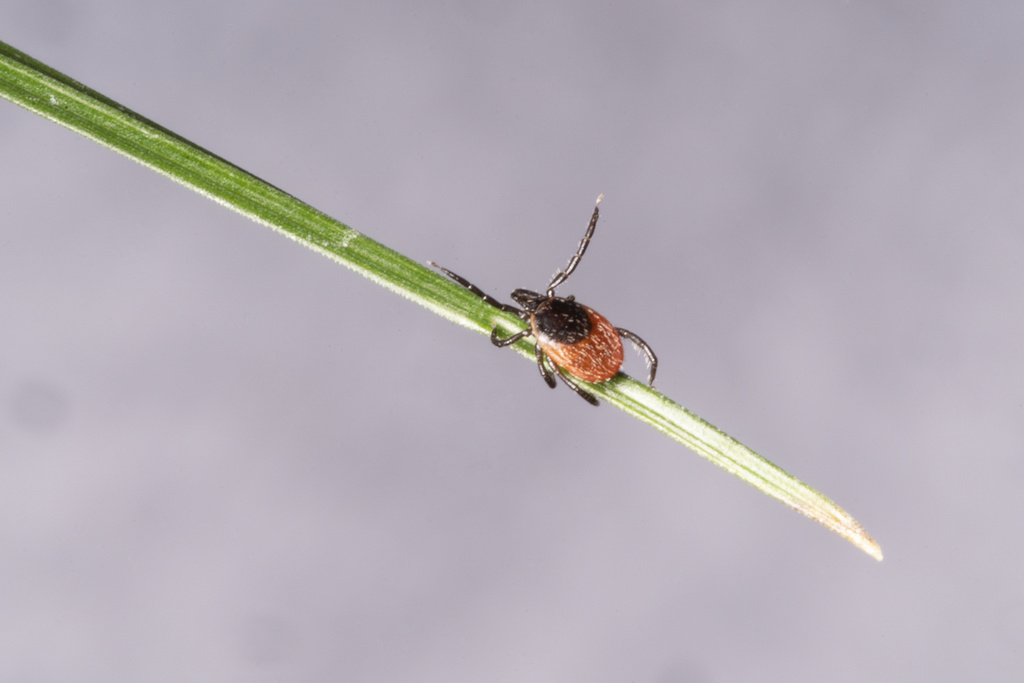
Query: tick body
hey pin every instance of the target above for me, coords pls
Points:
(571, 337)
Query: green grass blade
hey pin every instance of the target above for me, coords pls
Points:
(53, 95)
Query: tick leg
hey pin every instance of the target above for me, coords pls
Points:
(652, 360)
(476, 290)
(545, 371)
(562, 275)
(585, 395)
(498, 341)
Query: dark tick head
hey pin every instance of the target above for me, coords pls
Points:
(528, 299)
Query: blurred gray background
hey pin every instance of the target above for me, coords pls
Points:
(224, 457)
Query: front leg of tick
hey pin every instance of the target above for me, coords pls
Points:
(476, 290)
(502, 343)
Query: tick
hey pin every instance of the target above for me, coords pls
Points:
(572, 339)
